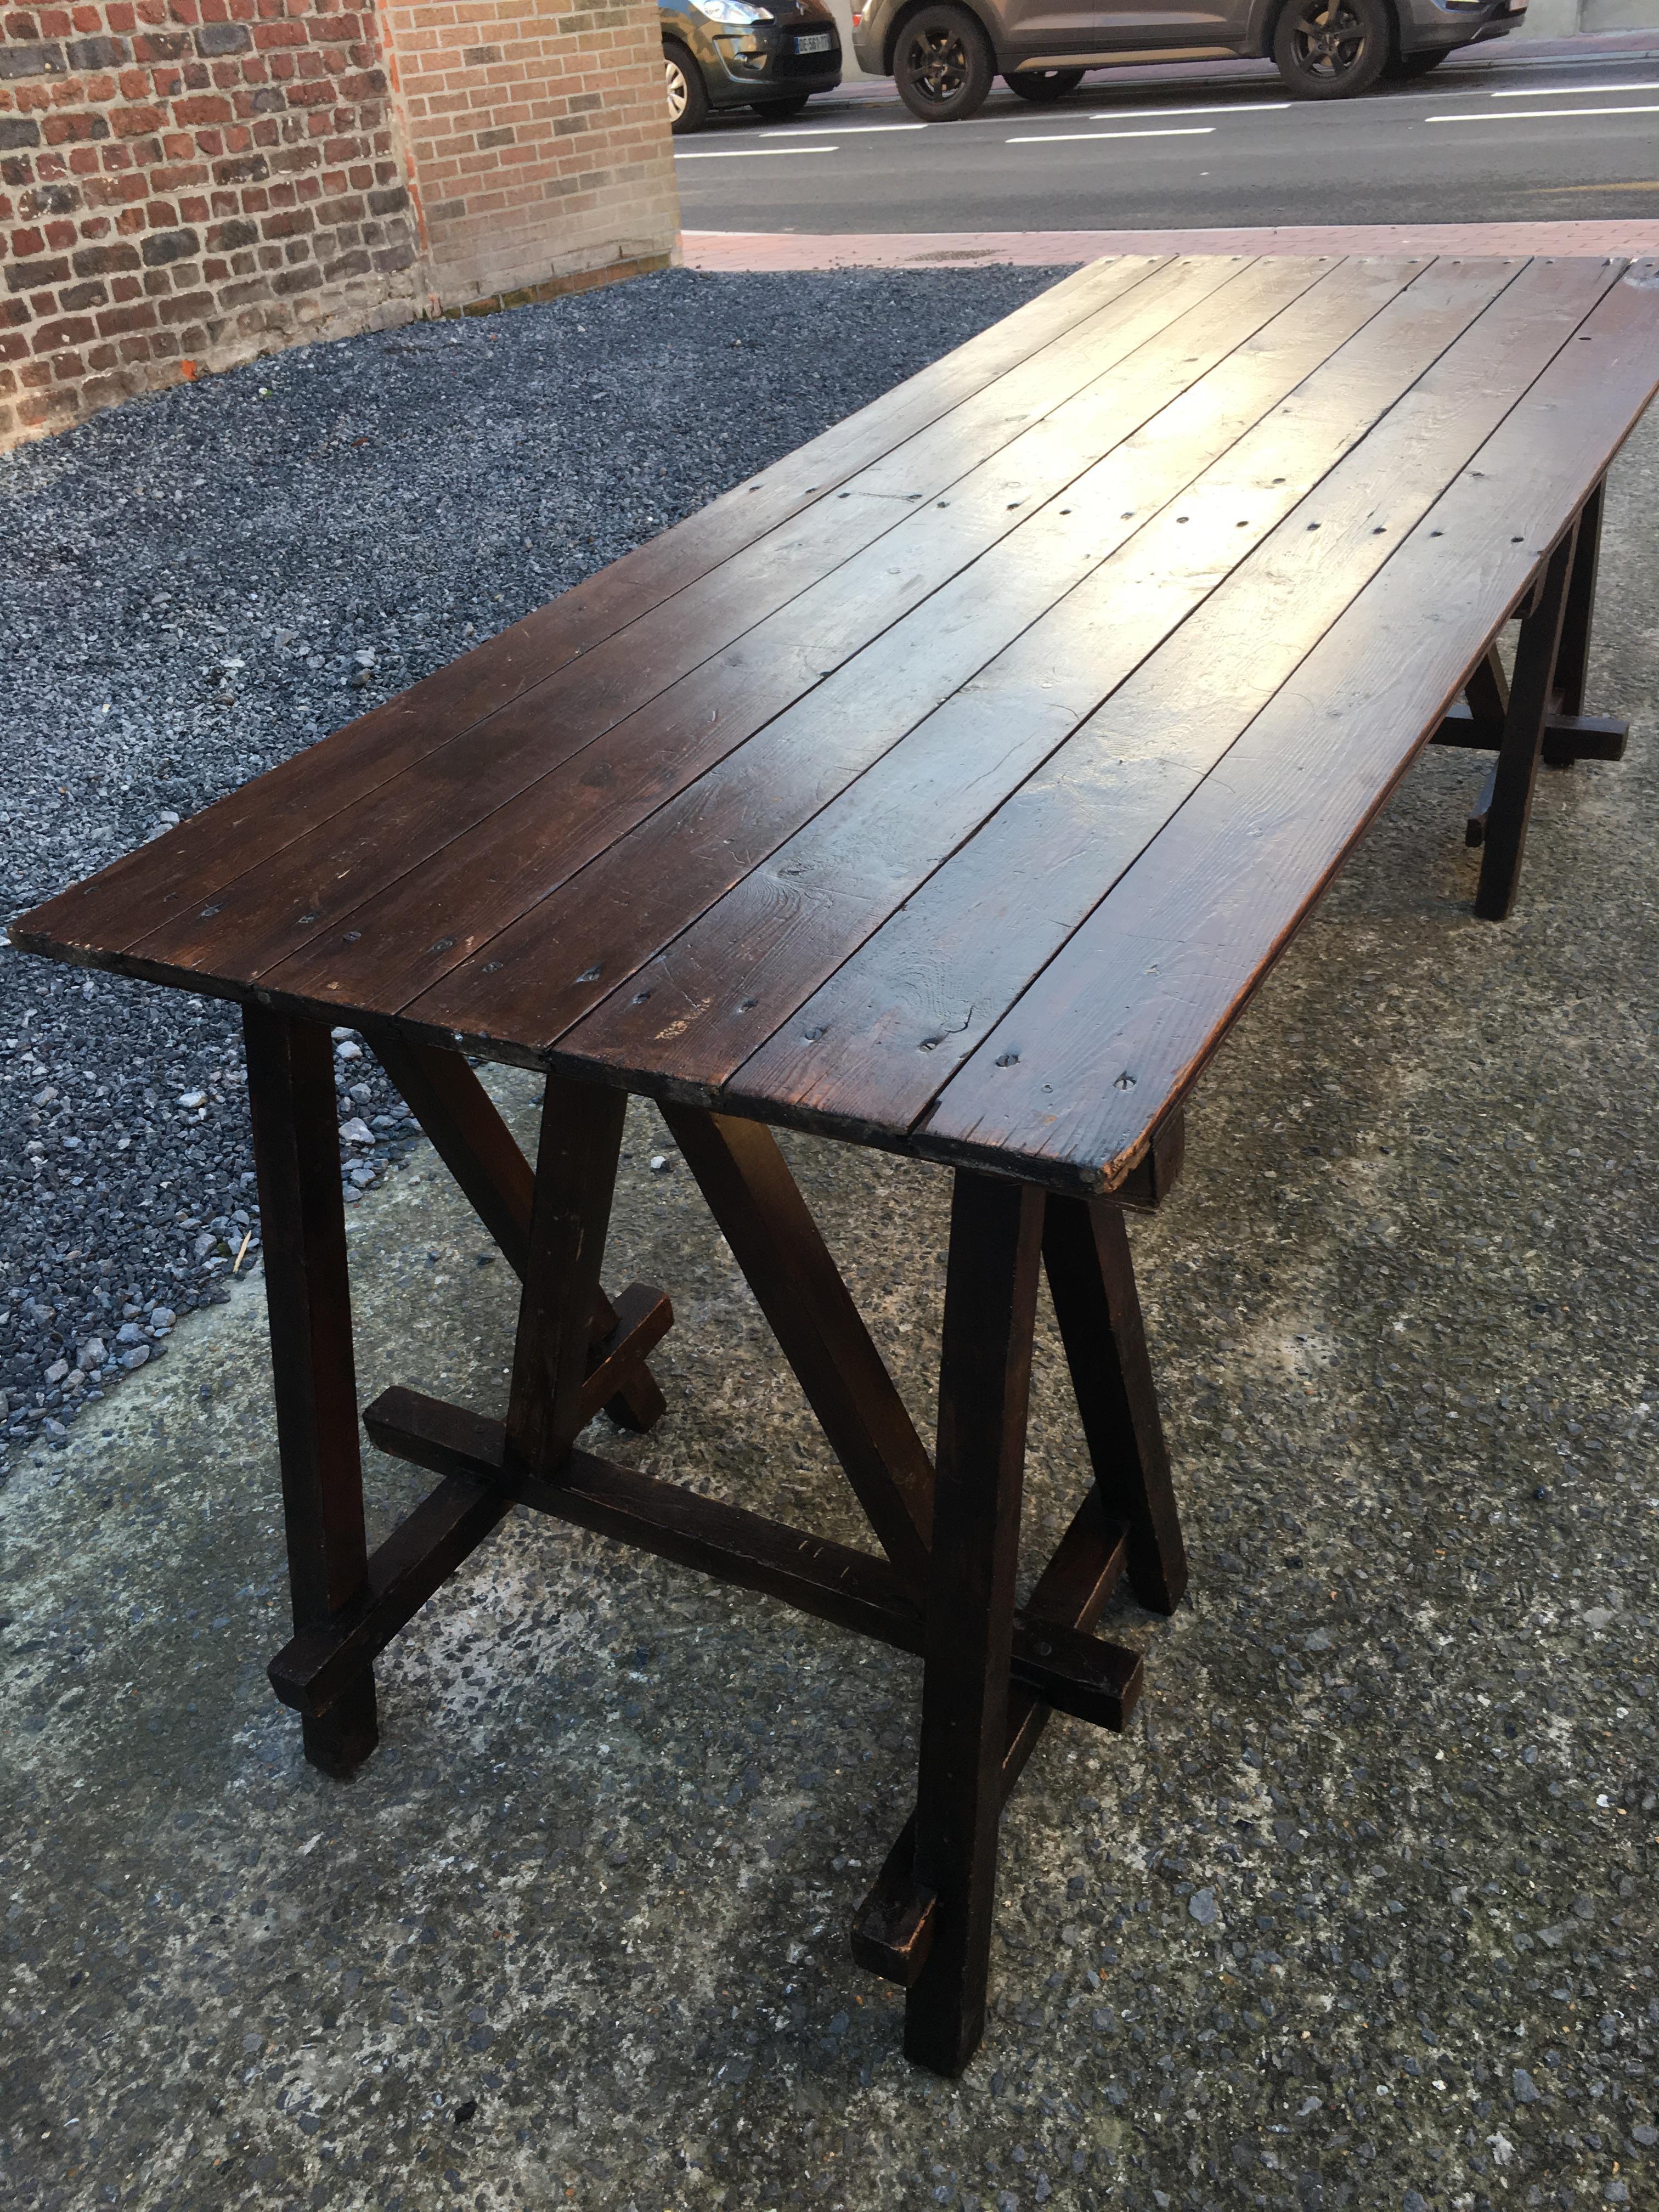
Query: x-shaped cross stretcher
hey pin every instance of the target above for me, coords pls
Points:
(943, 1584)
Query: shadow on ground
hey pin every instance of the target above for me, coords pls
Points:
(1359, 1914)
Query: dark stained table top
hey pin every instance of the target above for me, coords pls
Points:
(949, 785)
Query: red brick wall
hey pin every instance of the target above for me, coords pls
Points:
(187, 183)
(529, 125)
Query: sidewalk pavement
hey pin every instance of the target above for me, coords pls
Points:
(1357, 1914)
(728, 250)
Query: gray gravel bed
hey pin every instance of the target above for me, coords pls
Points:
(197, 587)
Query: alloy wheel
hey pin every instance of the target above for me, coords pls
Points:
(938, 64)
(1330, 39)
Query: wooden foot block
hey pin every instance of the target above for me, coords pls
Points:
(343, 1737)
(893, 1929)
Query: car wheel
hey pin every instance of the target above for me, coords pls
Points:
(942, 64)
(687, 99)
(1408, 65)
(1332, 49)
(1042, 86)
(780, 111)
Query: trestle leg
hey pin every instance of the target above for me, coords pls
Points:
(990, 1306)
(296, 1146)
(1530, 692)
(1085, 1253)
(575, 1177)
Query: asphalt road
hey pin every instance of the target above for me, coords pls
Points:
(1481, 141)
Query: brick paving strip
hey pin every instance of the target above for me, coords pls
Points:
(730, 251)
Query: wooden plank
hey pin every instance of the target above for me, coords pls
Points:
(399, 892)
(1170, 514)
(1150, 984)
(260, 912)
(893, 1930)
(575, 1172)
(296, 1152)
(1073, 1672)
(726, 800)
(985, 1372)
(479, 1150)
(775, 1240)
(299, 793)
(868, 1052)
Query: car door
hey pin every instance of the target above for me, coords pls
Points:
(1156, 24)
(1046, 30)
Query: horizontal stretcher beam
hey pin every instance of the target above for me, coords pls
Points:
(1566, 737)
(1065, 1668)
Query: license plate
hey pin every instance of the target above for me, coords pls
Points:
(817, 42)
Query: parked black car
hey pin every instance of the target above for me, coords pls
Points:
(740, 53)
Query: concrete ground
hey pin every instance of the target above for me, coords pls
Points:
(1360, 1912)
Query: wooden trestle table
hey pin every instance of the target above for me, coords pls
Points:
(947, 786)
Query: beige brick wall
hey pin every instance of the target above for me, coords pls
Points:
(537, 139)
(185, 184)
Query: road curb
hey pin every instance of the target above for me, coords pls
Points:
(724, 251)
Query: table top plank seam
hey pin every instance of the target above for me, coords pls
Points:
(969, 737)
(286, 896)
(1115, 866)
(825, 736)
(897, 416)
(1206, 843)
(928, 997)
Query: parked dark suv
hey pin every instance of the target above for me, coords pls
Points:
(771, 55)
(944, 54)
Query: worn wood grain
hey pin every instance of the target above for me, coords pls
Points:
(872, 1047)
(288, 800)
(835, 550)
(1149, 985)
(647, 882)
(527, 821)
(690, 1018)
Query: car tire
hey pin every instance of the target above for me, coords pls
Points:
(1332, 49)
(688, 97)
(943, 64)
(1041, 86)
(1418, 65)
(780, 111)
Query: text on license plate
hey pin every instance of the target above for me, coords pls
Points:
(818, 42)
